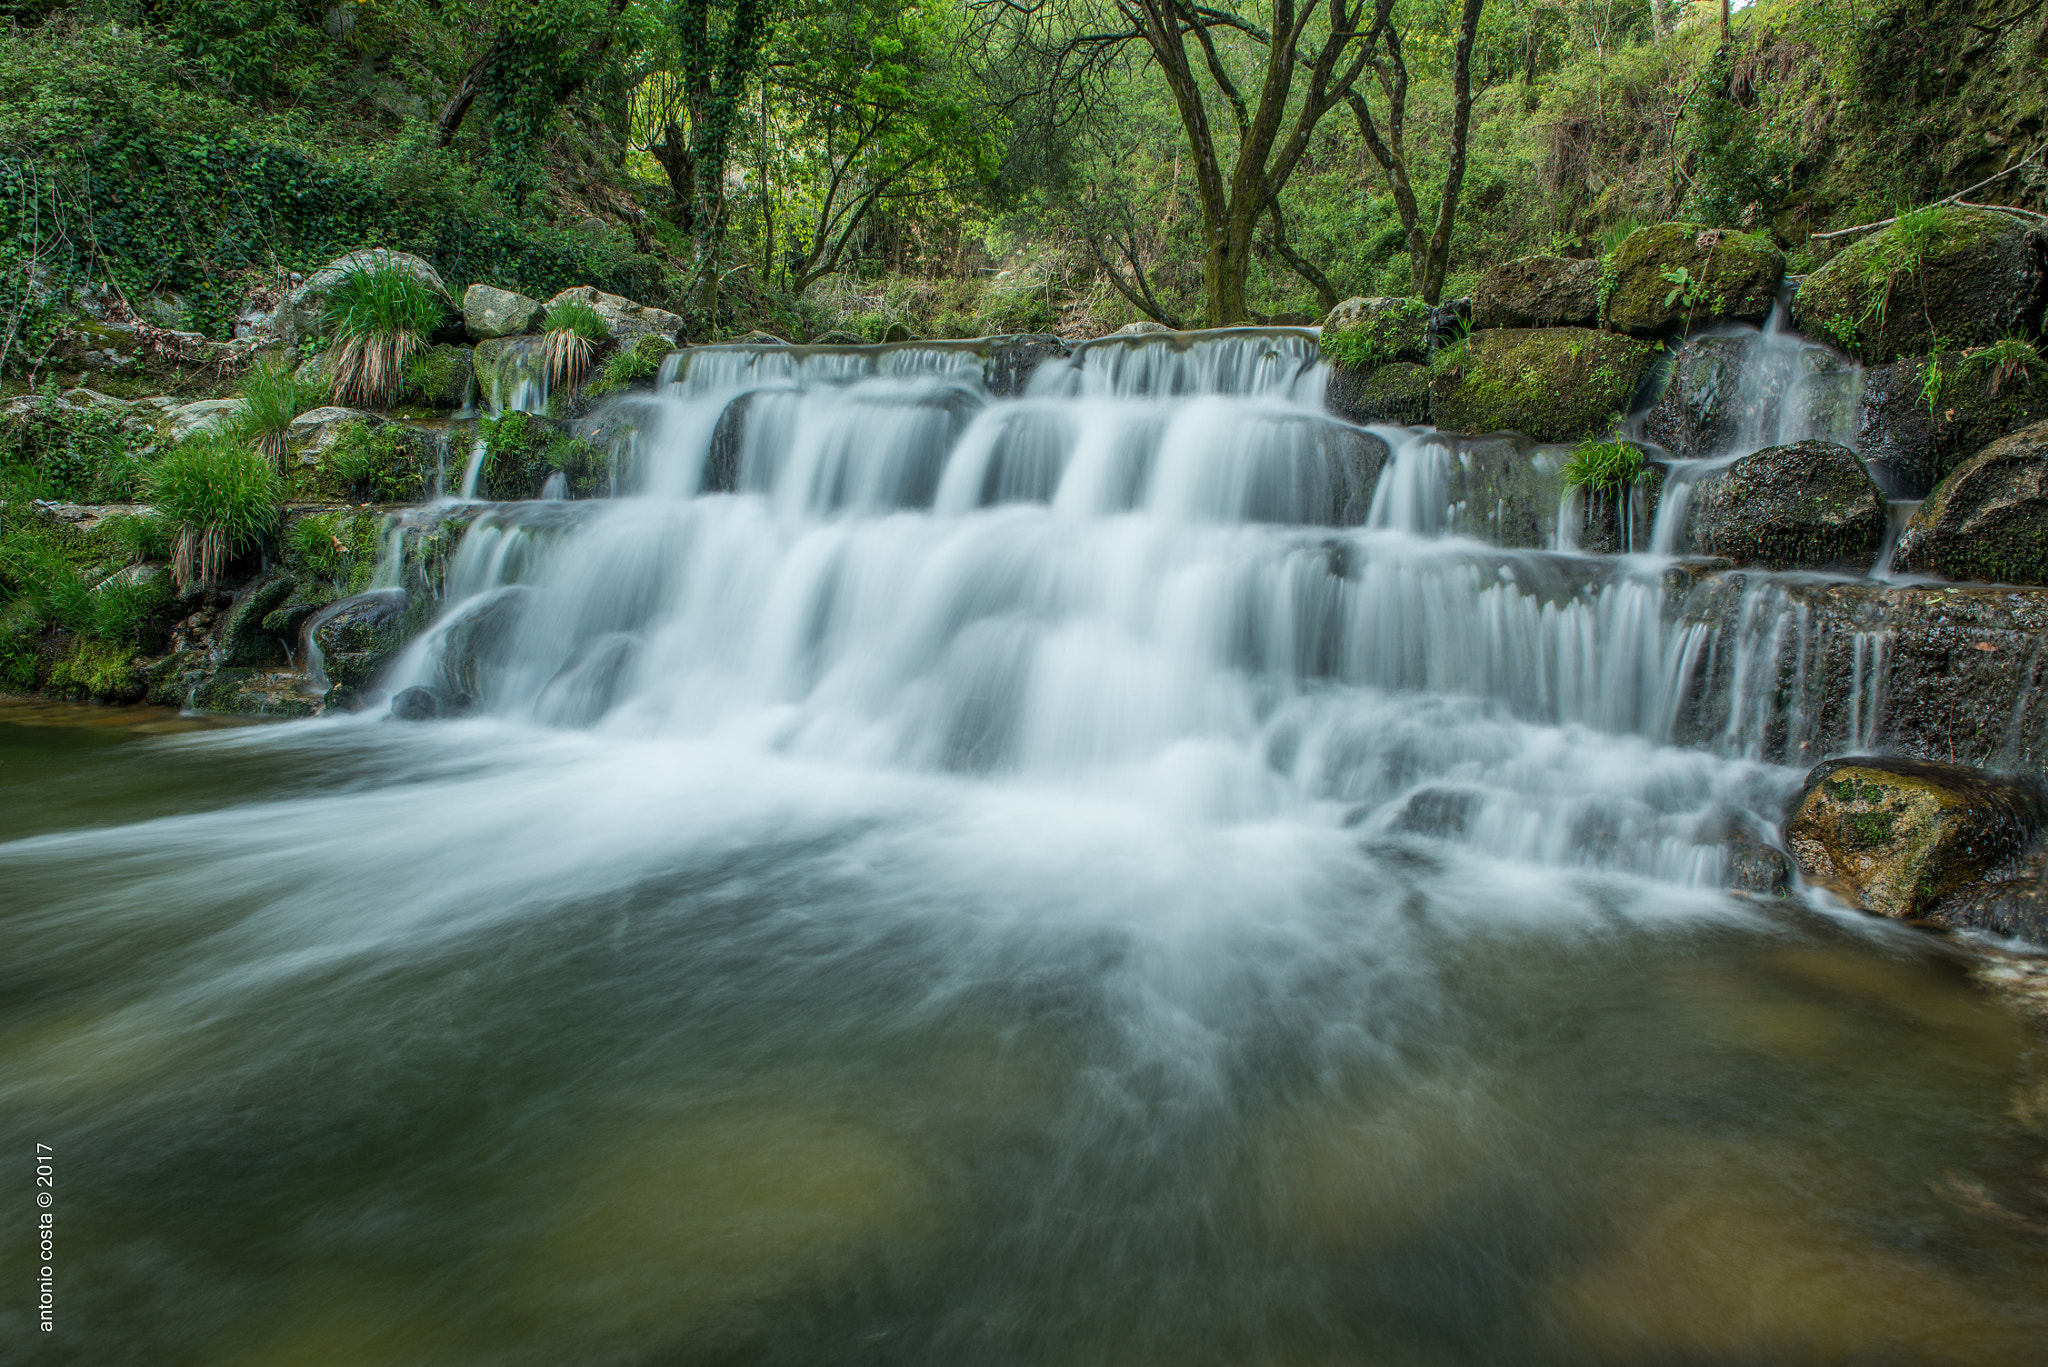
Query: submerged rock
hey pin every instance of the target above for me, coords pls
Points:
(1946, 277)
(1395, 393)
(1555, 384)
(1909, 445)
(1988, 520)
(1895, 836)
(1802, 506)
(489, 312)
(415, 704)
(1671, 277)
(1537, 292)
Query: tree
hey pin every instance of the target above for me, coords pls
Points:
(1429, 250)
(1301, 62)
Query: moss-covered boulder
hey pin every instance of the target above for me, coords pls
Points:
(1989, 519)
(509, 371)
(1804, 506)
(1538, 292)
(1396, 393)
(1671, 277)
(440, 377)
(244, 639)
(1939, 278)
(1555, 384)
(1895, 836)
(1911, 433)
(358, 636)
(522, 453)
(1362, 333)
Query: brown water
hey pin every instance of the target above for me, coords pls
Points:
(472, 1045)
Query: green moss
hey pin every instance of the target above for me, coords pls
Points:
(95, 669)
(1385, 330)
(1940, 276)
(386, 464)
(437, 376)
(82, 455)
(337, 548)
(521, 451)
(1555, 384)
(1673, 276)
(629, 363)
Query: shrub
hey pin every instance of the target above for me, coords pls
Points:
(1598, 465)
(52, 450)
(379, 316)
(220, 496)
(271, 397)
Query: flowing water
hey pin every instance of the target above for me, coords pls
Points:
(1124, 873)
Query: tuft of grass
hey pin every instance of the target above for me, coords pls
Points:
(220, 496)
(271, 398)
(379, 315)
(2008, 361)
(1600, 465)
(574, 330)
(630, 363)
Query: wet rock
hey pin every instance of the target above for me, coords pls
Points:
(1725, 274)
(628, 321)
(489, 312)
(503, 365)
(838, 338)
(358, 636)
(1896, 836)
(1802, 506)
(1988, 520)
(1957, 278)
(1616, 521)
(1012, 360)
(758, 338)
(441, 376)
(477, 645)
(1500, 488)
(415, 704)
(244, 640)
(1555, 384)
(252, 692)
(2016, 908)
(1537, 292)
(1698, 413)
(1396, 393)
(1363, 333)
(1144, 327)
(1909, 446)
(302, 314)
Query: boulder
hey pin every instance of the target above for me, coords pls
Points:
(302, 313)
(415, 704)
(1698, 413)
(1988, 521)
(1896, 836)
(441, 376)
(357, 636)
(1012, 360)
(2016, 908)
(1616, 520)
(206, 415)
(628, 321)
(1538, 292)
(838, 338)
(1555, 384)
(1361, 333)
(1144, 327)
(1726, 274)
(757, 338)
(1395, 393)
(488, 312)
(1945, 277)
(313, 431)
(1909, 446)
(1802, 506)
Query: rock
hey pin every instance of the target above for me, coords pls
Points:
(1953, 278)
(1368, 332)
(758, 338)
(898, 332)
(1538, 292)
(1802, 506)
(313, 431)
(1396, 393)
(1500, 488)
(488, 312)
(244, 641)
(1697, 415)
(302, 313)
(837, 338)
(1615, 520)
(509, 371)
(167, 310)
(1988, 521)
(1727, 275)
(1908, 446)
(1895, 836)
(251, 692)
(1013, 359)
(2016, 908)
(1555, 384)
(206, 415)
(628, 321)
(441, 376)
(415, 704)
(1144, 327)
(358, 636)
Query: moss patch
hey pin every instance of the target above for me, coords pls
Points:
(1556, 384)
(1671, 277)
(1369, 332)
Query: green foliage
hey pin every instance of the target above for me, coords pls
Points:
(1598, 465)
(57, 578)
(338, 548)
(271, 397)
(376, 464)
(630, 363)
(1683, 286)
(579, 319)
(521, 451)
(2009, 363)
(57, 451)
(381, 300)
(1743, 162)
(221, 497)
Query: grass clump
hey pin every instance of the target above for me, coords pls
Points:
(2010, 361)
(338, 548)
(1598, 465)
(379, 315)
(220, 497)
(574, 330)
(630, 363)
(271, 397)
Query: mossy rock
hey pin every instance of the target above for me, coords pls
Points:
(1895, 836)
(1989, 519)
(244, 638)
(1362, 333)
(361, 635)
(366, 461)
(1395, 393)
(1910, 445)
(1806, 505)
(521, 453)
(1726, 275)
(1555, 384)
(253, 693)
(440, 376)
(102, 671)
(1538, 292)
(1940, 278)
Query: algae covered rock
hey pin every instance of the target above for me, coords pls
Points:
(1674, 276)
(1555, 384)
(1368, 332)
(1911, 434)
(1538, 292)
(1988, 520)
(1396, 393)
(1895, 836)
(1940, 277)
(441, 376)
(1803, 506)
(358, 636)
(489, 312)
